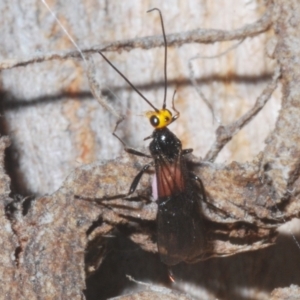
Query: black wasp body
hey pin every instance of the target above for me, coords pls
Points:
(179, 193)
(179, 218)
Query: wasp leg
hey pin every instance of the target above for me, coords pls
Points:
(200, 185)
(128, 149)
(209, 205)
(177, 113)
(137, 178)
(187, 151)
(136, 152)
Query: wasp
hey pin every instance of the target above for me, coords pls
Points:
(180, 228)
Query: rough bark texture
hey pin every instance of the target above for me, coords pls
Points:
(86, 228)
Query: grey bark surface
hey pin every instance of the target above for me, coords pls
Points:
(83, 238)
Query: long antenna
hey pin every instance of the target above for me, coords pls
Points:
(165, 44)
(64, 30)
(127, 80)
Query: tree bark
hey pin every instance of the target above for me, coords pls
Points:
(86, 227)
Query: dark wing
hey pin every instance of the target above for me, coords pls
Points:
(179, 220)
(171, 176)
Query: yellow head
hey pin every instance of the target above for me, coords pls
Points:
(160, 118)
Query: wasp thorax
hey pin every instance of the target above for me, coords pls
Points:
(159, 119)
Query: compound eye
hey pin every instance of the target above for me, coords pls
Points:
(154, 121)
